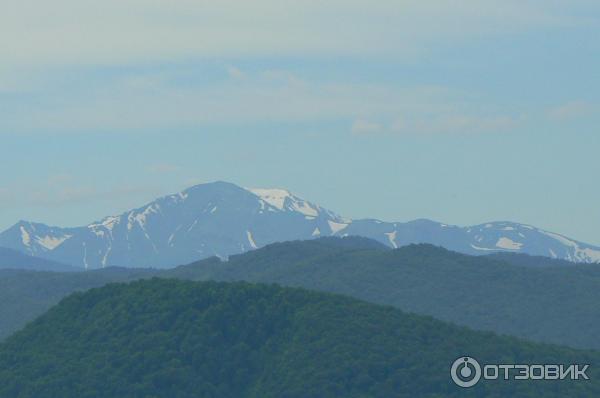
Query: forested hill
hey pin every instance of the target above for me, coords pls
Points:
(169, 338)
(540, 301)
(536, 301)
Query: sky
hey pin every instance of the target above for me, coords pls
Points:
(462, 112)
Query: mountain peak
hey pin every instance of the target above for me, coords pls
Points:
(274, 196)
(214, 185)
(285, 200)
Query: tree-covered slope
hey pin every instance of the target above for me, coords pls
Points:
(169, 338)
(25, 295)
(552, 304)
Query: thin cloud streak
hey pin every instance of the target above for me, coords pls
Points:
(573, 110)
(61, 195)
(82, 32)
(148, 102)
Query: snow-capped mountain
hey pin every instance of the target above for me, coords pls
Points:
(223, 219)
(479, 239)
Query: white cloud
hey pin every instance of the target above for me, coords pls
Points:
(148, 102)
(572, 110)
(66, 34)
(59, 179)
(234, 72)
(162, 168)
(153, 101)
(456, 122)
(74, 32)
(453, 122)
(65, 194)
(6, 196)
(364, 127)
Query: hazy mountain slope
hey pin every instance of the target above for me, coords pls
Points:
(477, 240)
(15, 260)
(36, 239)
(530, 261)
(543, 302)
(182, 339)
(222, 219)
(24, 295)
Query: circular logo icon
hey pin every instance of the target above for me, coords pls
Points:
(465, 372)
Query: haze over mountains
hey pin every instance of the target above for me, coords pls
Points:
(13, 259)
(222, 219)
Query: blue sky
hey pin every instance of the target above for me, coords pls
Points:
(488, 110)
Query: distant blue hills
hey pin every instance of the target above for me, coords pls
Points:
(13, 259)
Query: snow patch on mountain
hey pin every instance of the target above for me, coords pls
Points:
(560, 238)
(336, 226)
(582, 254)
(25, 237)
(51, 242)
(508, 244)
(251, 240)
(275, 197)
(109, 223)
(590, 255)
(485, 249)
(284, 200)
(392, 239)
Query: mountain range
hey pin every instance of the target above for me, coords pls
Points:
(222, 219)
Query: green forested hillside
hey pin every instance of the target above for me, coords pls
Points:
(177, 339)
(536, 301)
(545, 303)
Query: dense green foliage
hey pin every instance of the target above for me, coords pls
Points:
(545, 303)
(537, 300)
(176, 339)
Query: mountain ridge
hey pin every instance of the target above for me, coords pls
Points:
(519, 296)
(13, 259)
(221, 219)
